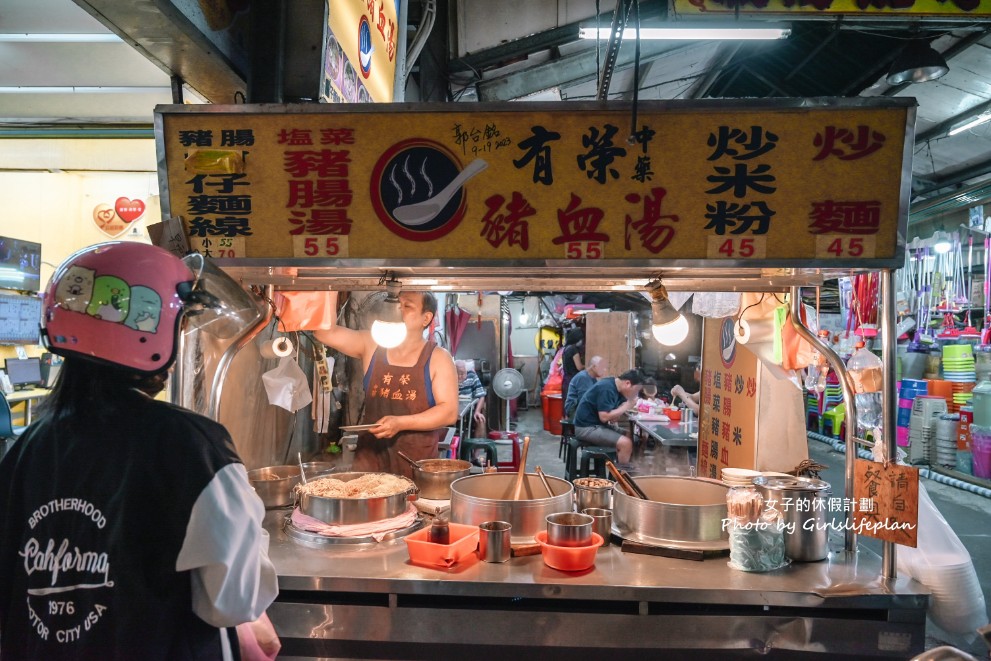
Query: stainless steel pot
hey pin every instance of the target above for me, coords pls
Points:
(683, 512)
(434, 476)
(806, 520)
(274, 484)
(588, 496)
(476, 499)
(355, 510)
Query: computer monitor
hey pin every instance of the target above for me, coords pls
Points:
(24, 373)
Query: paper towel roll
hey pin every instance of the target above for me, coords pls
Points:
(277, 348)
(754, 331)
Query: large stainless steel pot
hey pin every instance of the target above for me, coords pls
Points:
(683, 512)
(487, 497)
(355, 510)
(435, 476)
(274, 484)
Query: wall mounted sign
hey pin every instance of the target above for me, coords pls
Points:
(117, 219)
(694, 9)
(720, 181)
(360, 54)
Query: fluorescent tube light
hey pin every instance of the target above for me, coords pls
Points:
(693, 33)
(62, 37)
(83, 90)
(977, 121)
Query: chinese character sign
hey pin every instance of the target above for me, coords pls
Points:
(728, 406)
(699, 181)
(888, 501)
(362, 38)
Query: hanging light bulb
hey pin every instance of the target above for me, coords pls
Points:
(942, 243)
(668, 325)
(388, 329)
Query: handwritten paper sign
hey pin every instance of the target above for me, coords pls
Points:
(887, 502)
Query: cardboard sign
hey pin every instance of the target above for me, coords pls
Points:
(887, 502)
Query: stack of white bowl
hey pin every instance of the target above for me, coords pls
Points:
(956, 591)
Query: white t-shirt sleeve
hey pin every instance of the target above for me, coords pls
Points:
(226, 551)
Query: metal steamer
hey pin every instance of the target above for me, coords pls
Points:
(488, 497)
(681, 512)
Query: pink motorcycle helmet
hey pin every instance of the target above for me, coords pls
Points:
(118, 303)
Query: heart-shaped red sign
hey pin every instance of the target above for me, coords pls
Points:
(129, 210)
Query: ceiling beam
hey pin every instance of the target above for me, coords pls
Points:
(570, 69)
(941, 129)
(955, 178)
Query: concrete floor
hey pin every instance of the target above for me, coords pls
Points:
(967, 513)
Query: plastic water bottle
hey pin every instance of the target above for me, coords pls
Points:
(867, 372)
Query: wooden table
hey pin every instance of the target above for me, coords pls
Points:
(28, 397)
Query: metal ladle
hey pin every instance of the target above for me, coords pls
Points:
(302, 473)
(543, 478)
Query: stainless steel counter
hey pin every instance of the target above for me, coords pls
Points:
(369, 601)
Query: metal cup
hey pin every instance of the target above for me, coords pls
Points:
(601, 522)
(569, 529)
(493, 541)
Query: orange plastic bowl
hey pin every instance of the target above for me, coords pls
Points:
(673, 413)
(568, 558)
(464, 540)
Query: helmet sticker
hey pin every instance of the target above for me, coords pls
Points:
(75, 289)
(146, 308)
(111, 297)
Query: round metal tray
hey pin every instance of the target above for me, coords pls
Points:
(317, 541)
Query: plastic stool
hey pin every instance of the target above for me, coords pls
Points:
(593, 460)
(571, 449)
(567, 431)
(469, 445)
(513, 441)
(833, 420)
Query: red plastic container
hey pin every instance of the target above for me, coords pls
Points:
(464, 541)
(553, 412)
(568, 558)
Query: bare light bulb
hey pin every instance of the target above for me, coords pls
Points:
(388, 334)
(671, 333)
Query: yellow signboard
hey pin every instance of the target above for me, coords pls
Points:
(720, 182)
(812, 8)
(728, 407)
(360, 57)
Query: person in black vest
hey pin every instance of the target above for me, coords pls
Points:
(128, 527)
(411, 390)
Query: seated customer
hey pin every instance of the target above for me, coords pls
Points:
(469, 385)
(648, 391)
(691, 399)
(605, 403)
(597, 367)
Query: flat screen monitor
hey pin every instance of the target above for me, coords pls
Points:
(24, 372)
(20, 264)
(20, 319)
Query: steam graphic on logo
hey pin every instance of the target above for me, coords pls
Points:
(418, 190)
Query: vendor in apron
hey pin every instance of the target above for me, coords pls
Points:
(411, 390)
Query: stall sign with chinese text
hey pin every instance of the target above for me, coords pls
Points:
(360, 53)
(887, 502)
(810, 8)
(728, 407)
(710, 183)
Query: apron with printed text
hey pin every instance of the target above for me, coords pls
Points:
(395, 390)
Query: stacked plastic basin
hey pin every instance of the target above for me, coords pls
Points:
(980, 430)
(908, 390)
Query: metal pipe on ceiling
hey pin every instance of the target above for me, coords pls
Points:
(619, 20)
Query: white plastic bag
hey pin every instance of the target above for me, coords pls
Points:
(286, 385)
(942, 563)
(716, 304)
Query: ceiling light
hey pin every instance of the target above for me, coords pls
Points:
(692, 32)
(62, 37)
(917, 63)
(941, 243)
(388, 329)
(23, 89)
(976, 121)
(668, 325)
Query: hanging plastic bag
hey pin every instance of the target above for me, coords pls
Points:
(941, 563)
(258, 640)
(716, 304)
(286, 385)
(306, 310)
(796, 352)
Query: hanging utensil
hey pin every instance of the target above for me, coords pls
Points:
(543, 478)
(407, 459)
(302, 473)
(518, 488)
(633, 483)
(623, 483)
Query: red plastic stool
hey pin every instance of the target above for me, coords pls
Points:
(505, 438)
